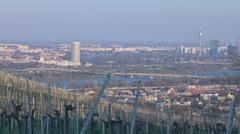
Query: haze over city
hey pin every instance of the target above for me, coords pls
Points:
(120, 67)
(123, 20)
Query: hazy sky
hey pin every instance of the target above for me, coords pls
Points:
(119, 20)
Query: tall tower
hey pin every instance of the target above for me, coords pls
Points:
(200, 41)
(238, 47)
(75, 57)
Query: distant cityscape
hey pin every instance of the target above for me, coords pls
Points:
(120, 67)
(201, 78)
(59, 55)
(135, 62)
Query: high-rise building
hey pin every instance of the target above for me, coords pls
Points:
(238, 47)
(75, 57)
(232, 50)
(200, 41)
(214, 45)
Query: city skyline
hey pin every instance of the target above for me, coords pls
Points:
(120, 67)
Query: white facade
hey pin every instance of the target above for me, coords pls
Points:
(75, 57)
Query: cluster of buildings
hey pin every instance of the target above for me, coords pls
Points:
(199, 96)
(24, 54)
(60, 53)
(193, 50)
(69, 55)
(213, 50)
(127, 49)
(18, 52)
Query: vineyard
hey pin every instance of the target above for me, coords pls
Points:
(29, 107)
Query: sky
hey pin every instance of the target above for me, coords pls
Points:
(119, 20)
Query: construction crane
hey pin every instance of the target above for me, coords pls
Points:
(95, 105)
(134, 115)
